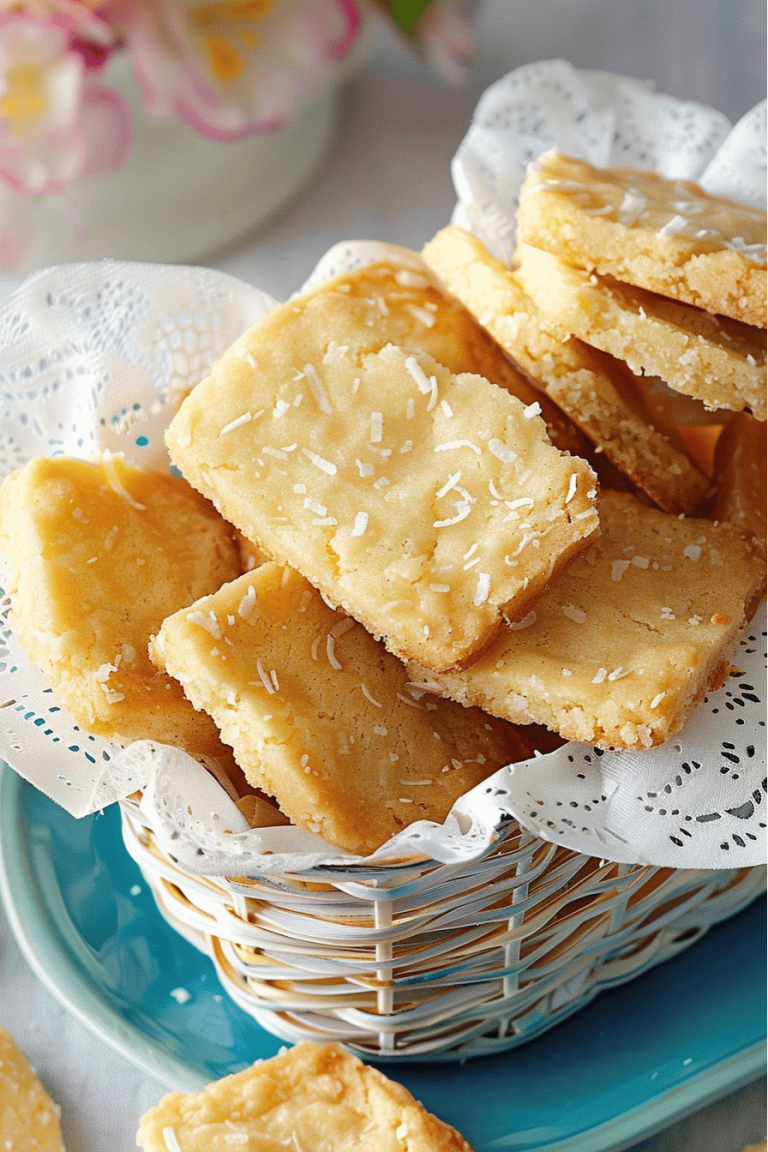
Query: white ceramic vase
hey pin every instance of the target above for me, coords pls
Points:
(180, 197)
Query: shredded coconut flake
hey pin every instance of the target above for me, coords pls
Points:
(463, 509)
(321, 463)
(247, 604)
(330, 651)
(418, 375)
(371, 699)
(112, 696)
(483, 588)
(238, 422)
(501, 450)
(265, 679)
(449, 445)
(526, 622)
(206, 620)
(171, 1141)
(108, 463)
(317, 388)
(421, 314)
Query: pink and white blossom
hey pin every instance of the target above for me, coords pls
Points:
(444, 35)
(57, 122)
(231, 68)
(80, 18)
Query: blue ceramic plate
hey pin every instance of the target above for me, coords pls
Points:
(638, 1058)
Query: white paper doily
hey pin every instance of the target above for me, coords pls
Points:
(606, 120)
(97, 356)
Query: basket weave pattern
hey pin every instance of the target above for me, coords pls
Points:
(433, 960)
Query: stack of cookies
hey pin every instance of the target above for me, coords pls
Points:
(440, 519)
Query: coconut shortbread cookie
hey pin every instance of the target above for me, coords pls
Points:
(596, 391)
(320, 715)
(309, 1098)
(713, 358)
(629, 639)
(668, 236)
(29, 1119)
(424, 503)
(97, 554)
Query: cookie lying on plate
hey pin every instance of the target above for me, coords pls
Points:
(596, 391)
(320, 715)
(719, 361)
(97, 554)
(29, 1119)
(668, 236)
(629, 639)
(308, 1098)
(426, 504)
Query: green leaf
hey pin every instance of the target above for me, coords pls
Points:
(406, 12)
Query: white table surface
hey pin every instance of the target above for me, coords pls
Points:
(387, 177)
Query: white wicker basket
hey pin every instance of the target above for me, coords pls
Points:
(433, 960)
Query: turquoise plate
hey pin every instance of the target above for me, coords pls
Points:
(636, 1059)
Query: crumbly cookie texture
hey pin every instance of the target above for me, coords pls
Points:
(629, 639)
(29, 1119)
(406, 307)
(668, 236)
(597, 391)
(321, 716)
(96, 555)
(313, 1097)
(719, 361)
(424, 503)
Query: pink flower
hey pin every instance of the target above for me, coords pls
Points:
(54, 120)
(78, 17)
(444, 35)
(231, 68)
(57, 122)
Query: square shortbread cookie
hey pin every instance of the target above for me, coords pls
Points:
(427, 505)
(29, 1119)
(668, 236)
(320, 715)
(97, 554)
(597, 391)
(308, 1098)
(630, 638)
(718, 360)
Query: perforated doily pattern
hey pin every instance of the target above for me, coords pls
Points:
(605, 119)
